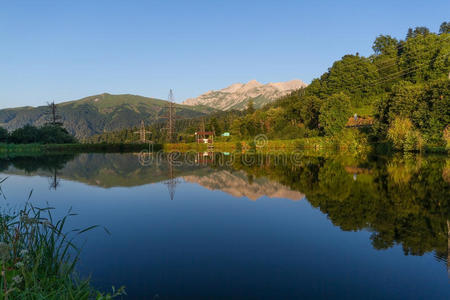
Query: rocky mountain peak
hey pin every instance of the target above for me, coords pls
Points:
(237, 95)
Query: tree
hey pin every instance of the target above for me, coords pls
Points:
(385, 44)
(54, 134)
(410, 33)
(53, 117)
(250, 106)
(47, 134)
(310, 111)
(236, 128)
(334, 113)
(25, 135)
(214, 125)
(353, 75)
(427, 106)
(444, 28)
(3, 135)
(425, 57)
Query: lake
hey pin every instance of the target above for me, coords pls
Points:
(224, 226)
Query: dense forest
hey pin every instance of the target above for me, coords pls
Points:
(402, 89)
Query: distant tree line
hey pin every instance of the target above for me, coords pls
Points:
(47, 134)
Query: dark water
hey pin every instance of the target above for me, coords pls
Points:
(261, 227)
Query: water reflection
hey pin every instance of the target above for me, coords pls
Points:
(401, 200)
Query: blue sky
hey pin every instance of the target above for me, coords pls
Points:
(65, 50)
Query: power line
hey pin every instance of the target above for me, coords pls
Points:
(396, 74)
(393, 59)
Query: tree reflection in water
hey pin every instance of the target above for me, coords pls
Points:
(400, 199)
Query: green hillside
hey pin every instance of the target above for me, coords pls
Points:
(99, 113)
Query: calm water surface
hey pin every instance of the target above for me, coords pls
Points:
(255, 228)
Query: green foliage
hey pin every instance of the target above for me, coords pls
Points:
(403, 135)
(427, 105)
(26, 135)
(353, 75)
(4, 135)
(385, 45)
(417, 32)
(309, 111)
(444, 28)
(250, 106)
(47, 134)
(334, 113)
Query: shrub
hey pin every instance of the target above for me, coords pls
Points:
(403, 135)
(446, 136)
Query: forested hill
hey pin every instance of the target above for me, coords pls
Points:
(404, 86)
(99, 113)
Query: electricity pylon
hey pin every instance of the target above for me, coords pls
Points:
(172, 181)
(142, 133)
(171, 117)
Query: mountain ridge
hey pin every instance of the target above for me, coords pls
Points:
(98, 113)
(237, 95)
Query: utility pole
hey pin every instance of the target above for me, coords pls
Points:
(171, 117)
(142, 133)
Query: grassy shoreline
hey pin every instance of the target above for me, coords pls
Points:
(319, 144)
(34, 149)
(348, 141)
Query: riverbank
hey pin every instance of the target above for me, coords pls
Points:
(264, 145)
(34, 149)
(346, 143)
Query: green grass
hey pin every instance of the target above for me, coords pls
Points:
(350, 140)
(38, 257)
(33, 149)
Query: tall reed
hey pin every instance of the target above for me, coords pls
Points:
(38, 256)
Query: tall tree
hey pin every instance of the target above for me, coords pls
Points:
(444, 28)
(250, 106)
(334, 113)
(3, 135)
